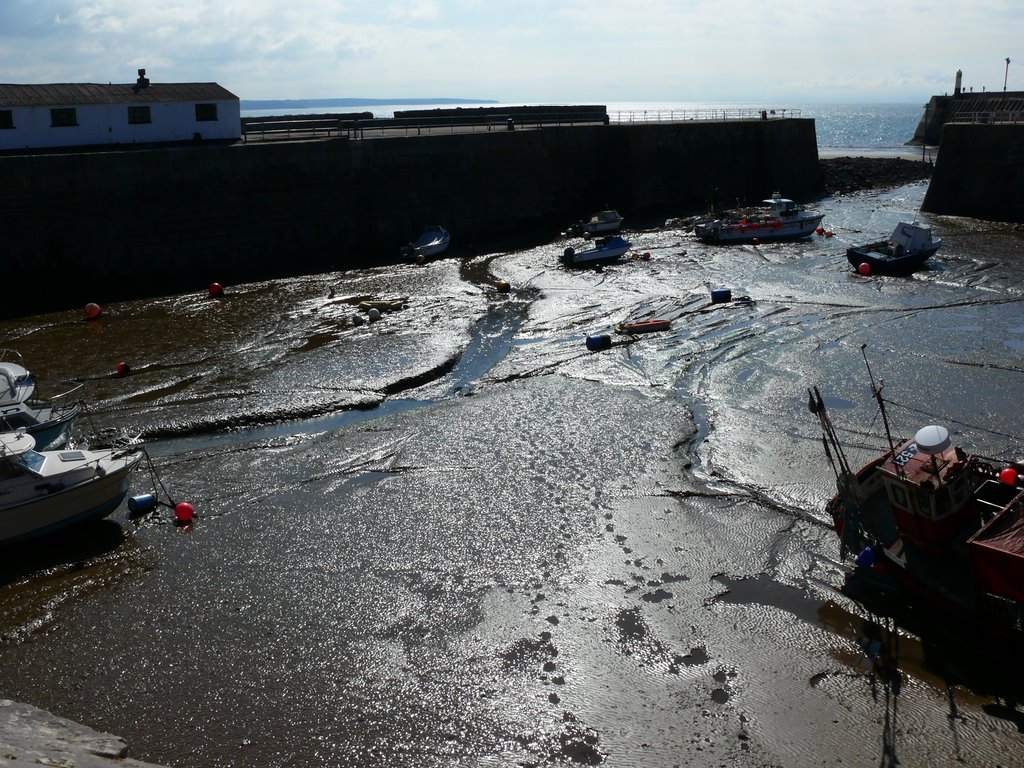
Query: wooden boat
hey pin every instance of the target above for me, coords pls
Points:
(784, 220)
(605, 249)
(908, 247)
(44, 491)
(433, 241)
(932, 528)
(643, 326)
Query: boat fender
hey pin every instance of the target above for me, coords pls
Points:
(866, 558)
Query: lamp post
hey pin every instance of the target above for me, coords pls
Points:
(1007, 73)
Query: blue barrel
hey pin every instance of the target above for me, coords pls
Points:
(721, 295)
(142, 503)
(866, 558)
(599, 341)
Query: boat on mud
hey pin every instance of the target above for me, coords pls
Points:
(933, 532)
(643, 326)
(908, 247)
(44, 491)
(604, 250)
(48, 421)
(783, 220)
(433, 241)
(599, 223)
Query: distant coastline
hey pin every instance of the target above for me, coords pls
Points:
(317, 103)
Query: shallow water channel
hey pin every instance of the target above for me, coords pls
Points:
(456, 536)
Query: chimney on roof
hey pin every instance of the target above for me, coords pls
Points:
(143, 81)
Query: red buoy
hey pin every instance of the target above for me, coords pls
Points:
(820, 230)
(183, 512)
(1008, 476)
(123, 369)
(92, 311)
(864, 268)
(216, 290)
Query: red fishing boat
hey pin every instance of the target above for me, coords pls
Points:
(938, 530)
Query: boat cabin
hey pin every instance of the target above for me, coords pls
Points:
(909, 238)
(780, 207)
(929, 489)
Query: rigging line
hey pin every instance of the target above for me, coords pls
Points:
(955, 421)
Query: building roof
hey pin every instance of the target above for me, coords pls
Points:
(72, 94)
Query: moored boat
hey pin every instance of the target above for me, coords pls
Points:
(600, 223)
(44, 491)
(605, 249)
(431, 242)
(934, 526)
(908, 247)
(644, 326)
(783, 220)
(48, 421)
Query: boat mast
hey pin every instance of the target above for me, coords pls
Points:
(877, 393)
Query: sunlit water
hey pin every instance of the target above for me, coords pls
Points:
(456, 536)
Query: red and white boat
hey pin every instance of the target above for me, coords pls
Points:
(934, 528)
(783, 220)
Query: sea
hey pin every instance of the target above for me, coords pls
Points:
(457, 536)
(878, 127)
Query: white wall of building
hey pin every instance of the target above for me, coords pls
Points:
(108, 124)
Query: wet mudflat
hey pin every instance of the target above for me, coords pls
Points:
(455, 536)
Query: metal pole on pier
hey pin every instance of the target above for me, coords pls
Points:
(1007, 75)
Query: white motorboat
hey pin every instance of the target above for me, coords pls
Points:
(16, 383)
(908, 247)
(784, 220)
(599, 223)
(605, 249)
(433, 241)
(44, 491)
(49, 421)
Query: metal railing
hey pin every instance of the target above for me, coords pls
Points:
(990, 116)
(306, 128)
(686, 115)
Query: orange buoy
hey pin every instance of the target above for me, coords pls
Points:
(92, 311)
(216, 290)
(828, 233)
(820, 230)
(184, 512)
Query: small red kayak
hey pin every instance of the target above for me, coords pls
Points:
(643, 326)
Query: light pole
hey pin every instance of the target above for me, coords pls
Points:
(1007, 73)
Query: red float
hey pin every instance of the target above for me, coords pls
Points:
(1008, 476)
(216, 290)
(864, 268)
(183, 512)
(92, 311)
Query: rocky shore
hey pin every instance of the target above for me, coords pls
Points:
(842, 175)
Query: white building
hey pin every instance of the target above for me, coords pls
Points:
(84, 114)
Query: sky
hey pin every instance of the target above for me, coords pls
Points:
(526, 51)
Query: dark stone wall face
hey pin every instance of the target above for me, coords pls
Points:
(115, 225)
(979, 172)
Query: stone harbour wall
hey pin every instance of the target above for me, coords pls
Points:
(104, 226)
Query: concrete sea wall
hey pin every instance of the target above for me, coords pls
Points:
(105, 226)
(979, 172)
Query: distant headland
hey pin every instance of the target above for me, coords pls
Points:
(313, 103)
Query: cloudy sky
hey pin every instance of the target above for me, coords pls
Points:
(525, 51)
